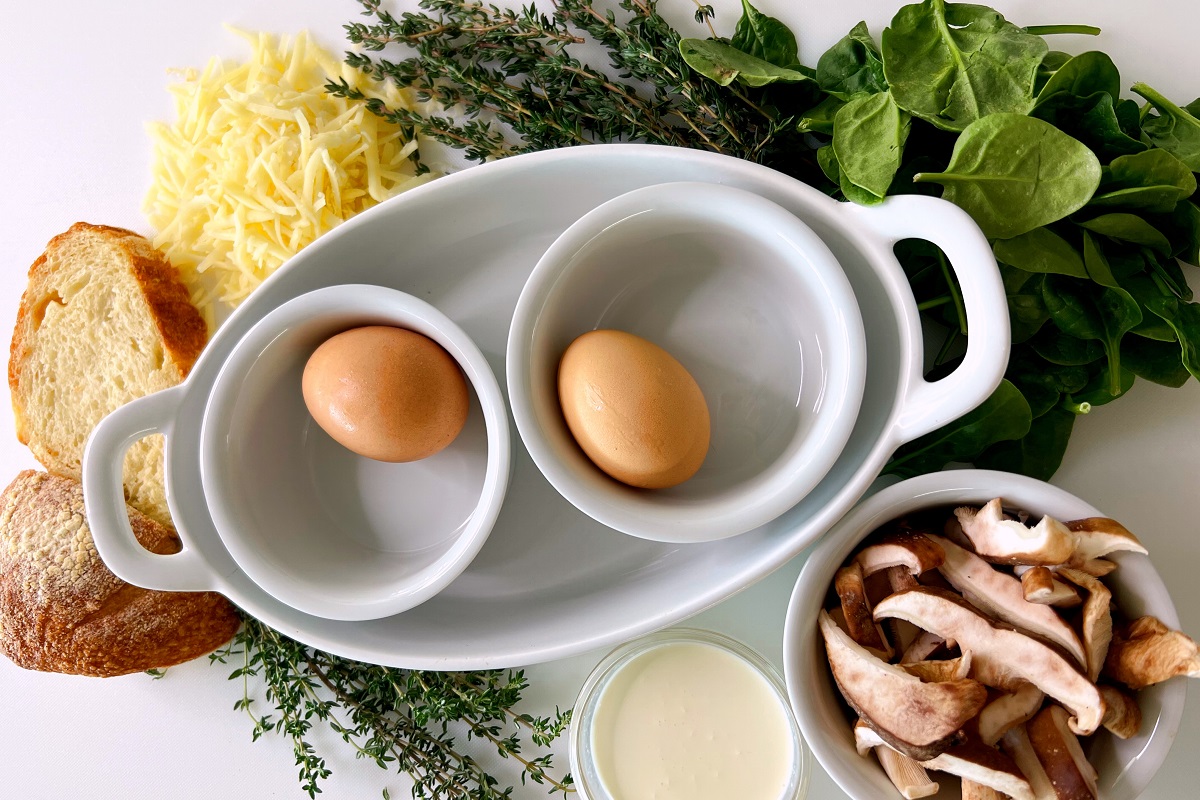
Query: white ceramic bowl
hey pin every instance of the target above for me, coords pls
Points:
(322, 529)
(749, 300)
(1125, 767)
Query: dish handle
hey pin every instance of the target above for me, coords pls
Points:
(104, 498)
(925, 406)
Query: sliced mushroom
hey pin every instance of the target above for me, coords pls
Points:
(1097, 618)
(1006, 541)
(901, 549)
(1002, 597)
(900, 579)
(900, 633)
(925, 645)
(1146, 652)
(977, 791)
(1016, 745)
(918, 719)
(1072, 777)
(1096, 567)
(1123, 716)
(1040, 586)
(952, 669)
(907, 775)
(1099, 536)
(1001, 658)
(1008, 711)
(971, 761)
(859, 623)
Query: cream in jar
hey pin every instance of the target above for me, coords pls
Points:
(689, 718)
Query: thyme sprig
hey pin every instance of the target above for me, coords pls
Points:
(503, 82)
(399, 719)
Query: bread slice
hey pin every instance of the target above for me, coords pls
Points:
(61, 610)
(105, 319)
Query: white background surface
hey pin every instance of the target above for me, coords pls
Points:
(79, 79)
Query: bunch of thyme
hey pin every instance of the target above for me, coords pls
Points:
(504, 82)
(400, 719)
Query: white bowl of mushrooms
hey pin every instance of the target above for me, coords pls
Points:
(981, 634)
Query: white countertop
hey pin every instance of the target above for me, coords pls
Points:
(81, 78)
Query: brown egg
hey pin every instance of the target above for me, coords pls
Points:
(386, 393)
(635, 411)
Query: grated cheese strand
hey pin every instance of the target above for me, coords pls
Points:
(261, 161)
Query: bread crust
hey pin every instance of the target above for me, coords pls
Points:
(180, 327)
(62, 610)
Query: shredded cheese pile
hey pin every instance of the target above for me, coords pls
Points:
(261, 161)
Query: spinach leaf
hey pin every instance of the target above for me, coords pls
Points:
(1144, 290)
(1059, 348)
(1129, 117)
(1167, 270)
(1038, 453)
(852, 66)
(1159, 362)
(1184, 319)
(1082, 76)
(1052, 62)
(1040, 250)
(724, 63)
(765, 38)
(1129, 228)
(1176, 130)
(1093, 312)
(1098, 268)
(1103, 388)
(868, 138)
(1093, 120)
(953, 64)
(1004, 415)
(1028, 370)
(1027, 313)
(1193, 108)
(1014, 173)
(1153, 180)
(1184, 226)
(828, 161)
(819, 118)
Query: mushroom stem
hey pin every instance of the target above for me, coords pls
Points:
(1122, 715)
(977, 791)
(908, 776)
(1040, 586)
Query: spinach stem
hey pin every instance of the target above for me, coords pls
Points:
(934, 303)
(955, 293)
(1047, 30)
(951, 338)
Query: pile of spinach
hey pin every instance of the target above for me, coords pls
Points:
(1089, 200)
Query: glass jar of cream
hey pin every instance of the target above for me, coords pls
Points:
(686, 714)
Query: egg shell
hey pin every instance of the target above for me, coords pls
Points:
(386, 393)
(636, 412)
